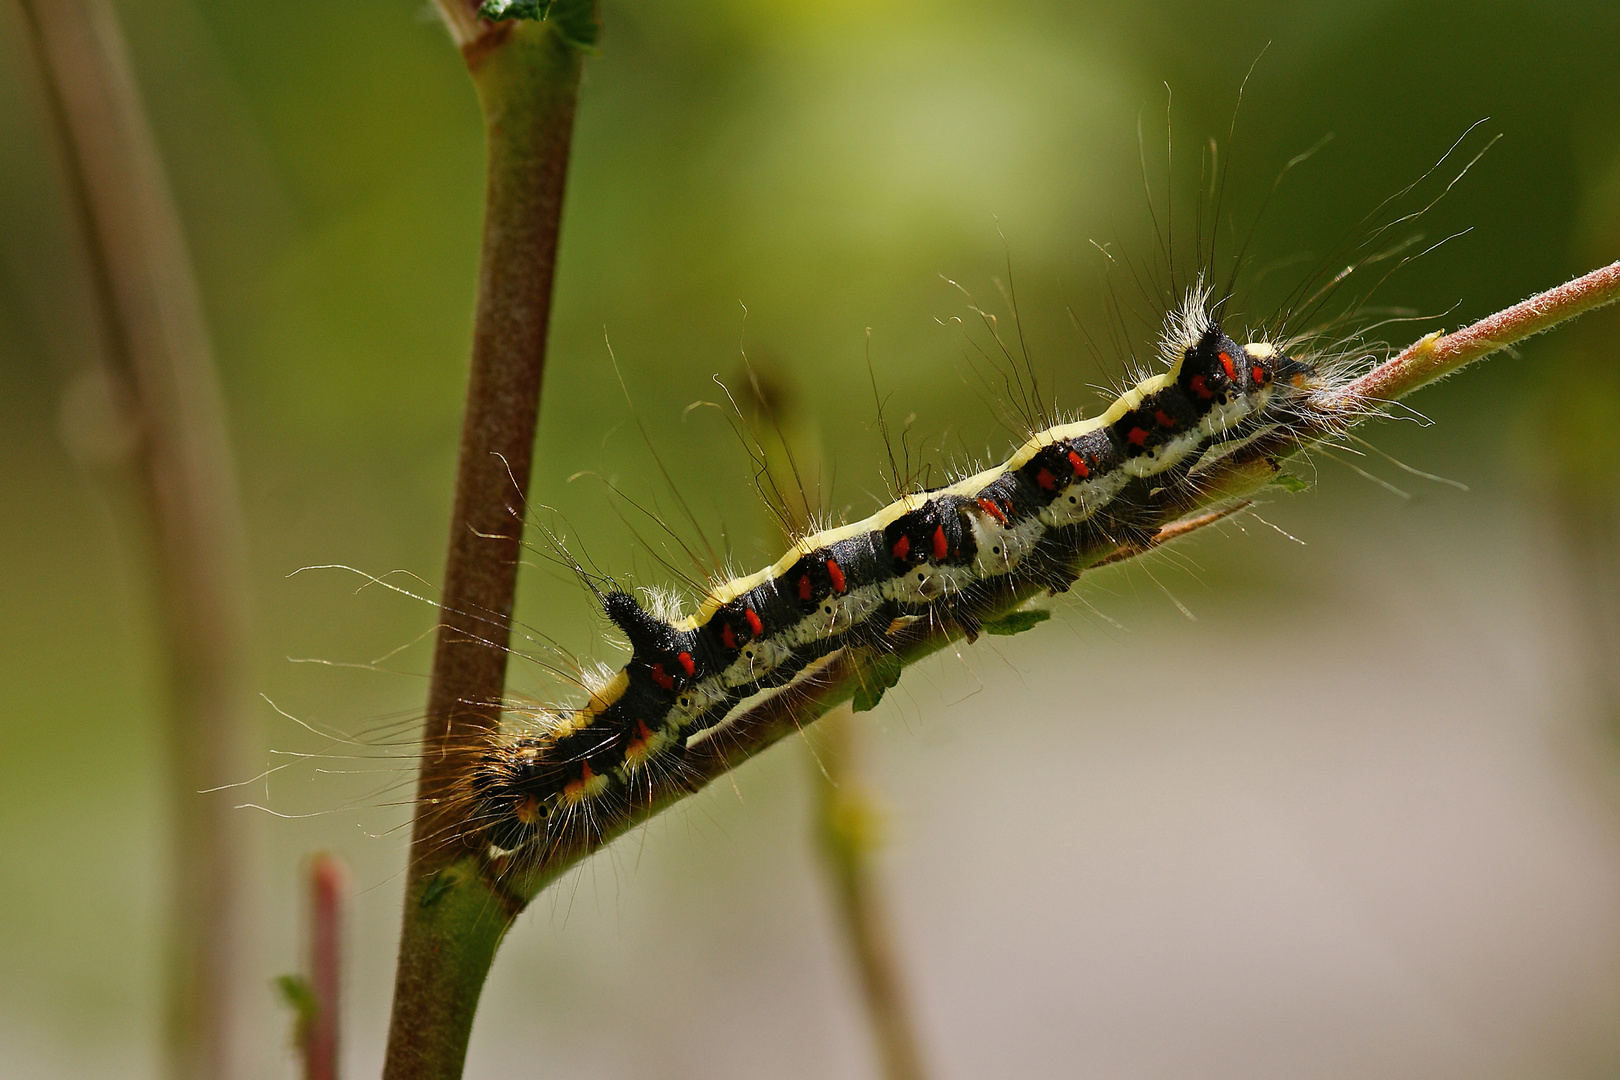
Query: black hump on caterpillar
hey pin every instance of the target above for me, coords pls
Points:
(1213, 369)
(648, 634)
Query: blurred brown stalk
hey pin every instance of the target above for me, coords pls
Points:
(849, 823)
(158, 363)
(848, 818)
(328, 889)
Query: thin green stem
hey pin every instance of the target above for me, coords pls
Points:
(849, 824)
(527, 78)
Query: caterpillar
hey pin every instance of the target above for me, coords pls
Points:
(951, 555)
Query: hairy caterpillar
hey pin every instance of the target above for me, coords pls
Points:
(961, 555)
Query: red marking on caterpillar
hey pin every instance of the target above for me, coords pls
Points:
(574, 789)
(1046, 480)
(805, 587)
(1201, 387)
(1226, 365)
(1080, 469)
(753, 622)
(902, 547)
(527, 810)
(989, 506)
(1164, 419)
(727, 637)
(836, 573)
(643, 737)
(662, 678)
(687, 664)
(1137, 436)
(941, 544)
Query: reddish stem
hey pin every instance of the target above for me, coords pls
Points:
(328, 889)
(1438, 355)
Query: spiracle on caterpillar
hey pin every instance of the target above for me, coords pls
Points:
(962, 557)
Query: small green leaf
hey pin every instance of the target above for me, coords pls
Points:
(1016, 622)
(1290, 482)
(296, 995)
(436, 887)
(575, 22)
(496, 10)
(884, 673)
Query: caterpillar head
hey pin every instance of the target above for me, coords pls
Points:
(1225, 382)
(1209, 363)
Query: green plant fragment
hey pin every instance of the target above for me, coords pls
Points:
(1290, 482)
(435, 889)
(876, 679)
(296, 995)
(498, 10)
(1016, 622)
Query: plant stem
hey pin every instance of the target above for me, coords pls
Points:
(328, 889)
(849, 822)
(156, 351)
(527, 78)
(1438, 355)
(1177, 511)
(843, 675)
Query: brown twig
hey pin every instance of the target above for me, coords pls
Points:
(840, 678)
(527, 78)
(156, 350)
(1178, 512)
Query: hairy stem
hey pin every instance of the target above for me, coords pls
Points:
(527, 78)
(856, 674)
(157, 354)
(1438, 355)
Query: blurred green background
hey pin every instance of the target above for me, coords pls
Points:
(1369, 824)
